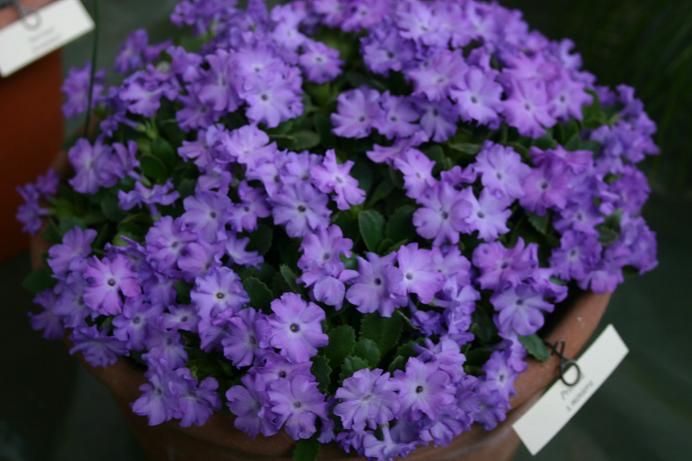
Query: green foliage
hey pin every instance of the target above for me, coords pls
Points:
(351, 364)
(403, 353)
(384, 331)
(306, 450)
(371, 225)
(261, 239)
(342, 340)
(367, 350)
(39, 280)
(260, 295)
(322, 371)
(535, 347)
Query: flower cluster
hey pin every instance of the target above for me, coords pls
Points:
(338, 218)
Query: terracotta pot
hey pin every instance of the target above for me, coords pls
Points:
(30, 103)
(218, 440)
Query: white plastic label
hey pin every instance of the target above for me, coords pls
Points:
(40, 32)
(557, 406)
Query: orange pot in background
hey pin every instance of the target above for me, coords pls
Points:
(31, 131)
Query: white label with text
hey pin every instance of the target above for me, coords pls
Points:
(557, 406)
(41, 32)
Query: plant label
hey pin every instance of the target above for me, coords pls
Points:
(40, 32)
(557, 406)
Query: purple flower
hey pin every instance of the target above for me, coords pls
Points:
(488, 215)
(75, 88)
(477, 96)
(274, 101)
(301, 208)
(295, 327)
(379, 286)
(242, 341)
(398, 117)
(357, 112)
(577, 256)
(417, 170)
(136, 51)
(71, 254)
(94, 166)
(320, 62)
(197, 401)
(97, 348)
(442, 215)
(207, 214)
(298, 403)
(253, 206)
(331, 177)
(132, 325)
(158, 194)
(423, 389)
(165, 243)
(499, 376)
(437, 74)
(109, 282)
(501, 170)
(527, 107)
(501, 267)
(419, 274)
(250, 146)
(218, 295)
(438, 119)
(519, 310)
(249, 403)
(367, 399)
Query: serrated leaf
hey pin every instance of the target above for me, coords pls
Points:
(400, 225)
(385, 331)
(342, 340)
(153, 168)
(289, 277)
(261, 239)
(304, 140)
(403, 353)
(306, 450)
(350, 365)
(367, 350)
(39, 280)
(371, 226)
(535, 347)
(260, 295)
(322, 371)
(540, 223)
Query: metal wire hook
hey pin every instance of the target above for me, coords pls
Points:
(558, 349)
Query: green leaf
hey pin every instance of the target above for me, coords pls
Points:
(371, 225)
(342, 340)
(261, 239)
(367, 350)
(403, 353)
(540, 223)
(39, 280)
(464, 148)
(609, 230)
(382, 191)
(363, 172)
(350, 365)
(322, 371)
(400, 224)
(304, 140)
(289, 277)
(306, 450)
(385, 331)
(165, 152)
(260, 295)
(110, 207)
(153, 168)
(535, 347)
(182, 291)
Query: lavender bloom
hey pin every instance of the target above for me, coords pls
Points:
(206, 214)
(253, 206)
(156, 401)
(71, 254)
(158, 194)
(423, 389)
(330, 177)
(501, 267)
(527, 107)
(419, 274)
(109, 280)
(320, 62)
(520, 310)
(136, 52)
(301, 208)
(501, 170)
(298, 404)
(488, 215)
(197, 401)
(94, 166)
(443, 214)
(218, 295)
(367, 399)
(398, 117)
(357, 112)
(417, 170)
(76, 90)
(249, 403)
(97, 348)
(477, 96)
(242, 341)
(379, 286)
(132, 325)
(295, 327)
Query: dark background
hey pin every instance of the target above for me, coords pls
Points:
(52, 410)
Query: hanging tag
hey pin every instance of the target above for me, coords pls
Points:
(38, 32)
(556, 407)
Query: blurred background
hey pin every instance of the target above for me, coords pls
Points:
(52, 410)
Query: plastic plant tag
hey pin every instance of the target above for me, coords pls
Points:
(40, 32)
(556, 407)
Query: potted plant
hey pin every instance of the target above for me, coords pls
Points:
(344, 224)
